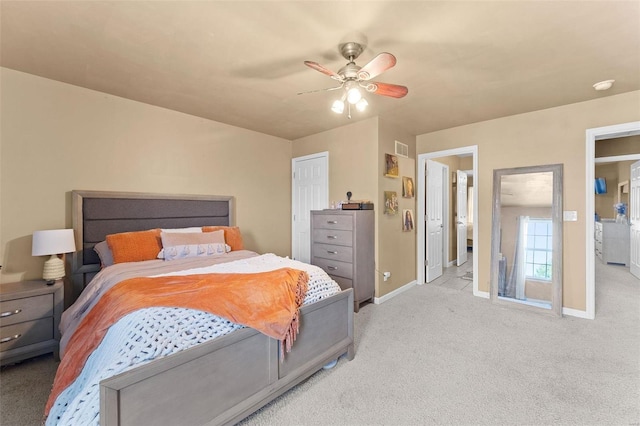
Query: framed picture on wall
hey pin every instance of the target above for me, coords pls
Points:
(407, 187)
(407, 220)
(391, 165)
(390, 202)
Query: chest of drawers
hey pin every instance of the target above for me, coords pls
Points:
(30, 314)
(342, 243)
(612, 242)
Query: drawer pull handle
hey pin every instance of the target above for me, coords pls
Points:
(10, 338)
(9, 313)
(333, 268)
(332, 222)
(332, 237)
(332, 252)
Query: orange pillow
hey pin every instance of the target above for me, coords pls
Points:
(232, 235)
(135, 246)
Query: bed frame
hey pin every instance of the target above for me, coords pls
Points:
(218, 382)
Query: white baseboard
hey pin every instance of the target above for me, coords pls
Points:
(484, 294)
(394, 293)
(576, 313)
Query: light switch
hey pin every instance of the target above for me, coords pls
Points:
(570, 215)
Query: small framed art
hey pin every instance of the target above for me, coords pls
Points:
(390, 165)
(407, 220)
(390, 202)
(407, 187)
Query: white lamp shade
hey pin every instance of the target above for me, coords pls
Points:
(55, 241)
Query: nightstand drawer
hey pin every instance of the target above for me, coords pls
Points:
(335, 221)
(333, 252)
(26, 309)
(26, 333)
(331, 236)
(332, 267)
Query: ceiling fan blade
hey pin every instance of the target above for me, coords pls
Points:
(377, 66)
(321, 90)
(386, 89)
(316, 66)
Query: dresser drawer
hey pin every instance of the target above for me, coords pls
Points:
(332, 221)
(26, 309)
(333, 236)
(26, 333)
(344, 283)
(333, 252)
(333, 267)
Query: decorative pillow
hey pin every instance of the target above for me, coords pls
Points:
(181, 245)
(192, 230)
(232, 235)
(135, 246)
(104, 253)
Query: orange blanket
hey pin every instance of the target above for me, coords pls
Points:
(268, 302)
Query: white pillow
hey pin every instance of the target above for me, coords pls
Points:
(181, 245)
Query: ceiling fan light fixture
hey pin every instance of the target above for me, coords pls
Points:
(362, 104)
(338, 106)
(354, 95)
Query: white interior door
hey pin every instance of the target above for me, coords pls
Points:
(461, 219)
(634, 218)
(434, 219)
(310, 186)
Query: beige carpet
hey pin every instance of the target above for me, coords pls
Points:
(437, 355)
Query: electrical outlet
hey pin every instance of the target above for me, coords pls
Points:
(386, 275)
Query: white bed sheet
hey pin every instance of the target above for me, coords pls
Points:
(150, 333)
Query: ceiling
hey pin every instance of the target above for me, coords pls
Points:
(241, 62)
(527, 190)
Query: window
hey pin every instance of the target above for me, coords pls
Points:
(539, 249)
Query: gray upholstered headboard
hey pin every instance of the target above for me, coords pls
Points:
(96, 214)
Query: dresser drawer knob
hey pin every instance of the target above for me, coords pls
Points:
(332, 222)
(10, 338)
(332, 237)
(332, 252)
(9, 313)
(333, 268)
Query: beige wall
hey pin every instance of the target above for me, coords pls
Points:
(555, 135)
(356, 164)
(56, 138)
(614, 173)
(352, 158)
(603, 203)
(618, 146)
(396, 249)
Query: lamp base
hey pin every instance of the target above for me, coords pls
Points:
(53, 269)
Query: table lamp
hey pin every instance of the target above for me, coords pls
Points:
(53, 242)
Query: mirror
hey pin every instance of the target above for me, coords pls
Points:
(526, 243)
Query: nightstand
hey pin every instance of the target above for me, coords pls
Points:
(29, 319)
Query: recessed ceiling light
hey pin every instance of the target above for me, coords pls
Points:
(603, 85)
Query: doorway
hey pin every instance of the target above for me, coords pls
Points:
(470, 151)
(593, 135)
(310, 191)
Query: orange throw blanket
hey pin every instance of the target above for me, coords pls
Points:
(268, 302)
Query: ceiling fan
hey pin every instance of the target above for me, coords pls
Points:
(352, 78)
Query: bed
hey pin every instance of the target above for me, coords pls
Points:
(218, 381)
